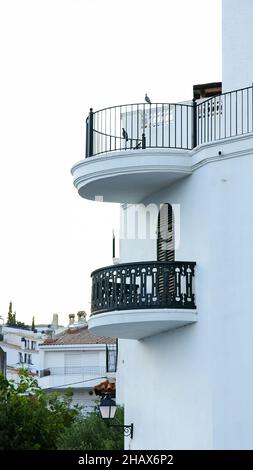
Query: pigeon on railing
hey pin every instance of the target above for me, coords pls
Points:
(147, 99)
(124, 134)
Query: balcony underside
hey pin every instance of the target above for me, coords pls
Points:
(131, 175)
(139, 324)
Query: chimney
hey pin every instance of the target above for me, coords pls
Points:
(55, 320)
(81, 315)
(71, 318)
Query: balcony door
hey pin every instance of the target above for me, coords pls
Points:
(165, 252)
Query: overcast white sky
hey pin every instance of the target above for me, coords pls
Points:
(59, 58)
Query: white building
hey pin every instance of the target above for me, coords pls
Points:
(180, 298)
(22, 350)
(22, 346)
(78, 360)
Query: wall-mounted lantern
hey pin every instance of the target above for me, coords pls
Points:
(107, 410)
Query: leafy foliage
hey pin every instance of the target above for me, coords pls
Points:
(31, 419)
(92, 433)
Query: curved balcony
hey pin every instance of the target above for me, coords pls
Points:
(136, 300)
(134, 150)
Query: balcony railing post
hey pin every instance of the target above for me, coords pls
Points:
(87, 139)
(194, 123)
(143, 141)
(90, 134)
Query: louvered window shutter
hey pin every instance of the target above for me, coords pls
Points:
(165, 251)
(165, 234)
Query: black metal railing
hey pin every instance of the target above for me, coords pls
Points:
(143, 285)
(139, 126)
(226, 115)
(167, 125)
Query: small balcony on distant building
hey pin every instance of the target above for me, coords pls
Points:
(92, 371)
(133, 150)
(78, 376)
(137, 300)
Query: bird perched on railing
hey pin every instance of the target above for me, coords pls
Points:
(124, 134)
(147, 99)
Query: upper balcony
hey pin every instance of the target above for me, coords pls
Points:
(137, 300)
(134, 150)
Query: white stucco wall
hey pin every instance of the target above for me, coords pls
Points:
(237, 50)
(196, 382)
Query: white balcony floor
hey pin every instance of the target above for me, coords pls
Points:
(139, 324)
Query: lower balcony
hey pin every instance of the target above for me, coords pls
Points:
(137, 300)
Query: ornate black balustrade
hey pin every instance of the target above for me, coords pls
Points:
(167, 125)
(143, 285)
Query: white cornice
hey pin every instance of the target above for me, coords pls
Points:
(110, 156)
(215, 158)
(218, 143)
(218, 158)
(147, 168)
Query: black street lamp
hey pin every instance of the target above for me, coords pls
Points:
(107, 410)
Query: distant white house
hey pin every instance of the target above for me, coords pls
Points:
(77, 359)
(22, 347)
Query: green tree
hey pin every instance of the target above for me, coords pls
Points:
(31, 419)
(11, 317)
(92, 433)
(33, 323)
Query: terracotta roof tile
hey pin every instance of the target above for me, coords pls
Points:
(105, 387)
(78, 336)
